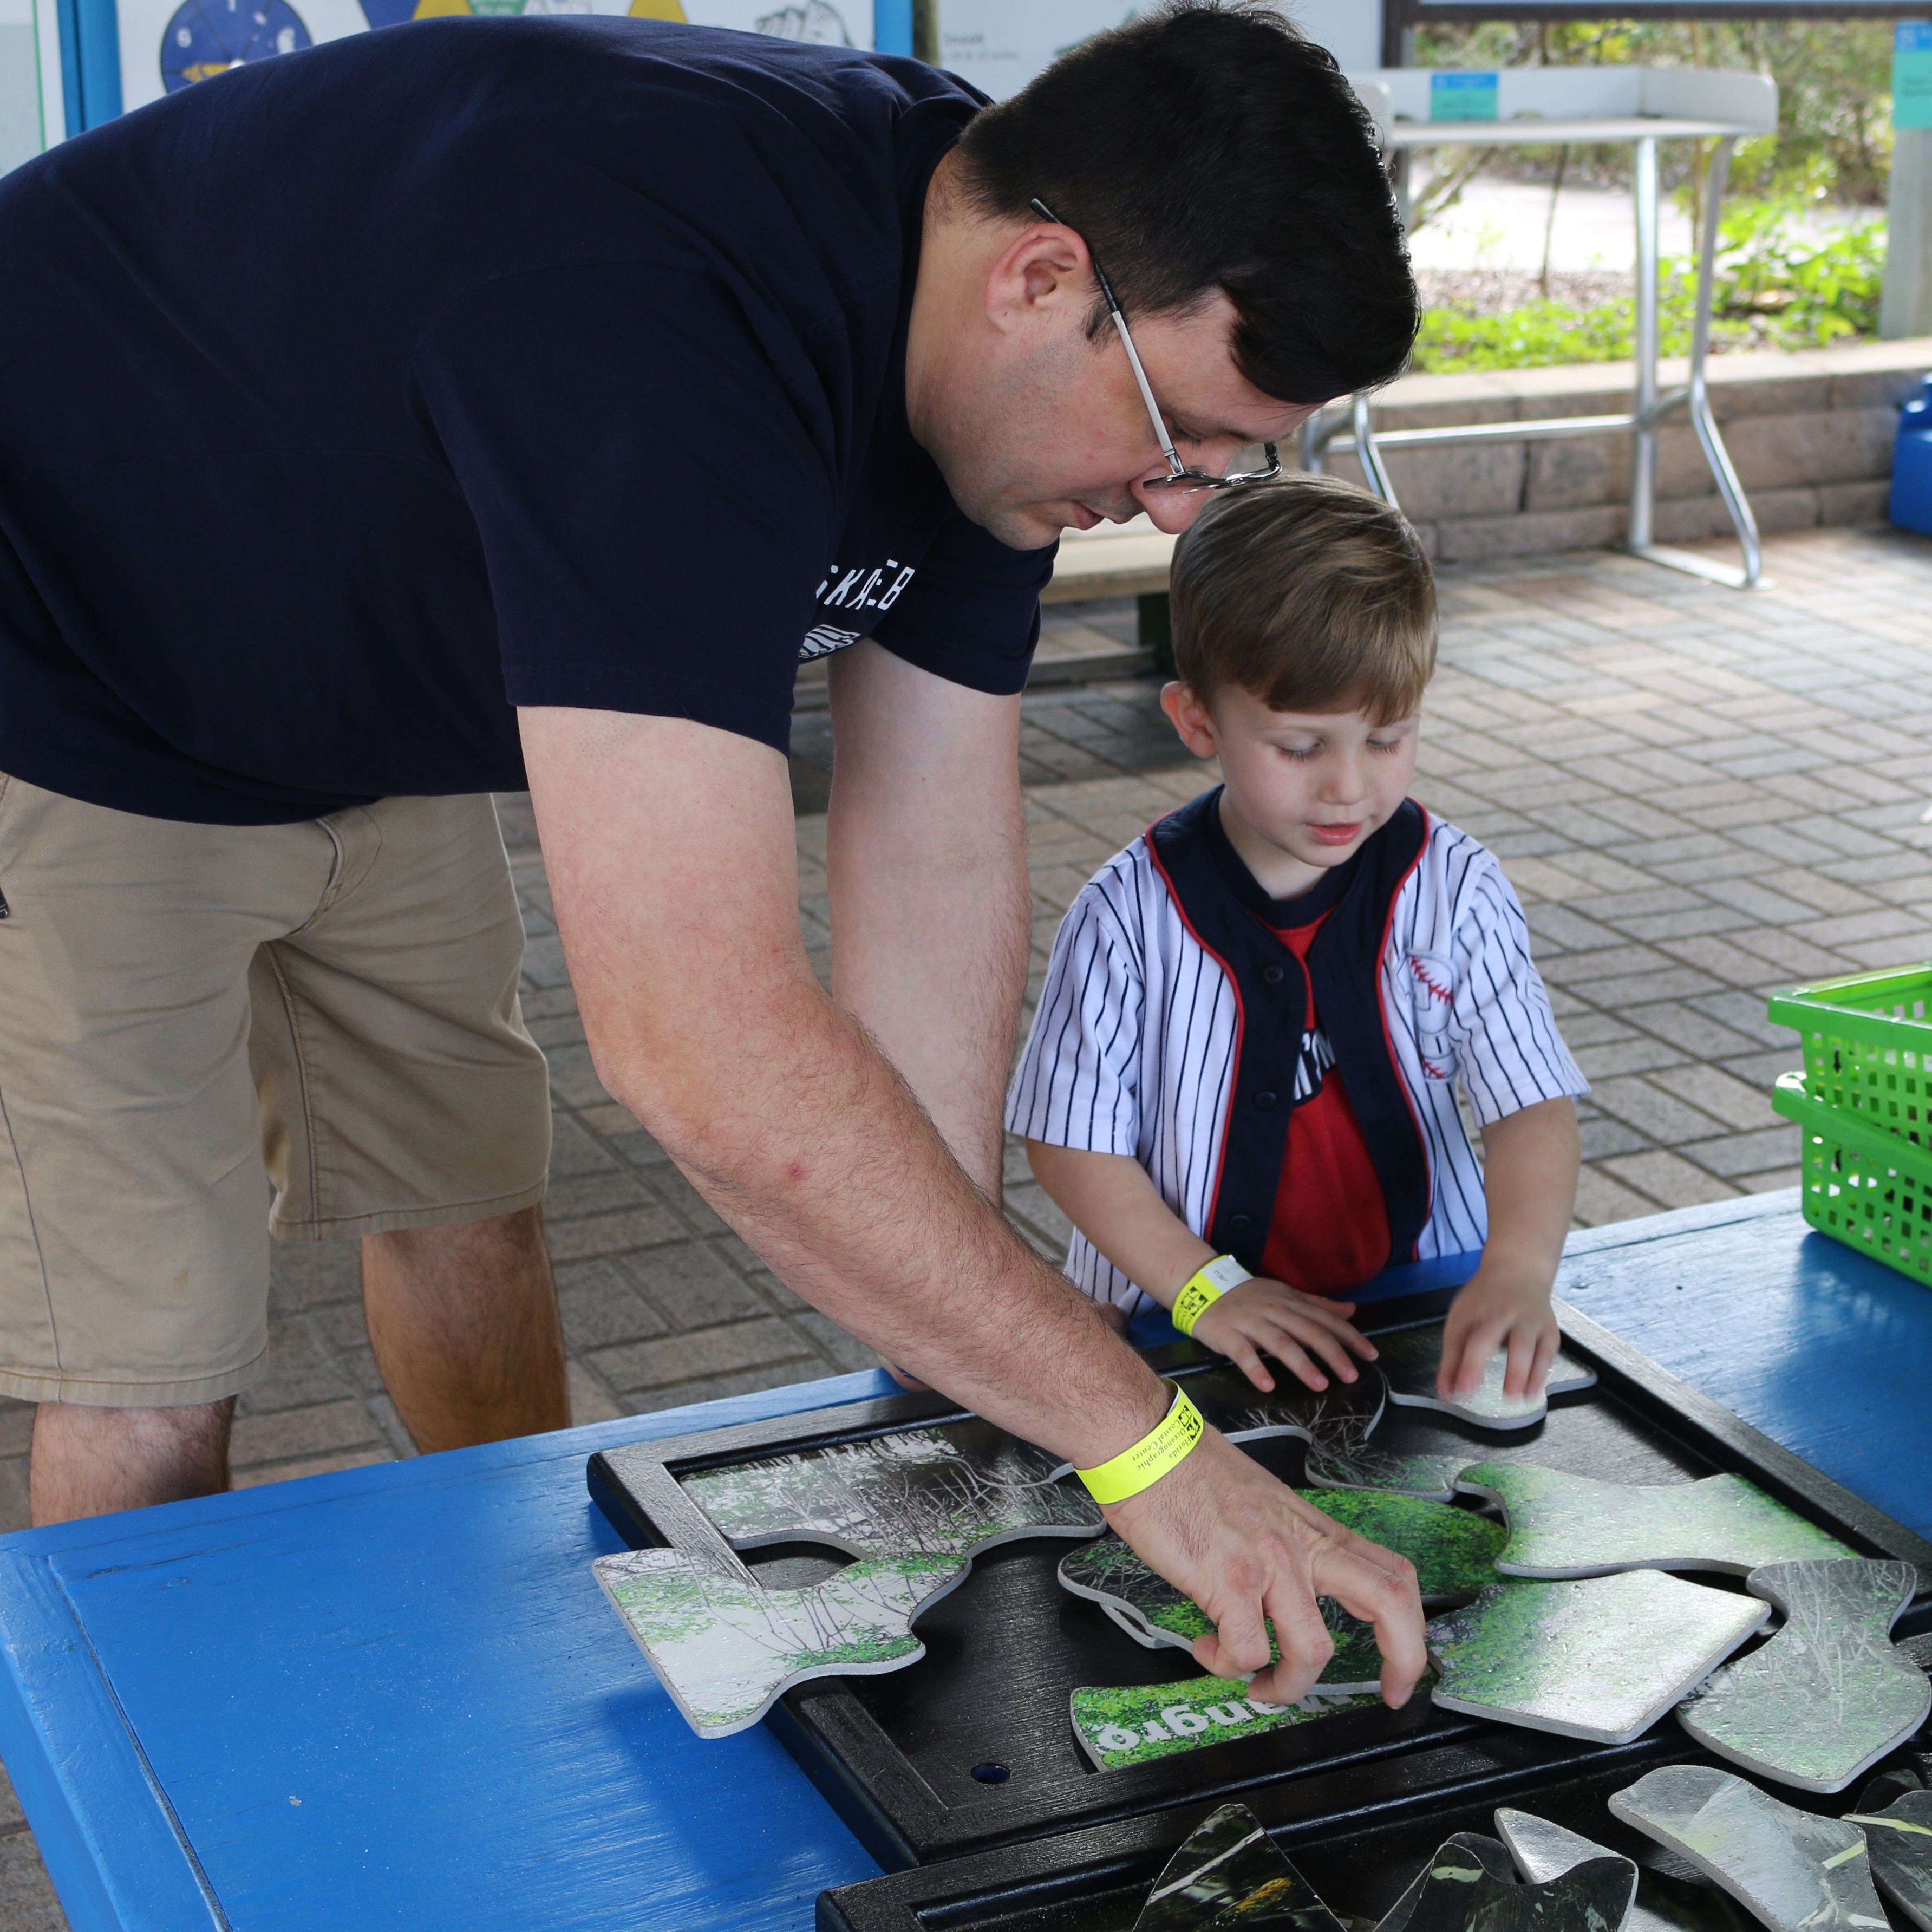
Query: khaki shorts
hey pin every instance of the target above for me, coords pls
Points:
(194, 1017)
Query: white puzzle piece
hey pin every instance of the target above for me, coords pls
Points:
(1411, 1358)
(1828, 1696)
(1601, 1657)
(1565, 1525)
(725, 1647)
(1793, 1871)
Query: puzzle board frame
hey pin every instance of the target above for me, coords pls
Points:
(1388, 1759)
(1094, 1880)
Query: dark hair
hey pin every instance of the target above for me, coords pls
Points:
(1310, 593)
(1208, 144)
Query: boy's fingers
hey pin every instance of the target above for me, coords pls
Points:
(1547, 1343)
(1319, 1341)
(1521, 1378)
(1283, 1348)
(1249, 1361)
(1477, 1347)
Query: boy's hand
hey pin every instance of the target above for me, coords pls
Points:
(1494, 1312)
(1261, 1314)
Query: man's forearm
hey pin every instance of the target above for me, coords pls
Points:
(704, 1019)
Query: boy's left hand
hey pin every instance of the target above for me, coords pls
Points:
(1493, 1311)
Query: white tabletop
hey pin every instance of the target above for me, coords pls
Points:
(1531, 131)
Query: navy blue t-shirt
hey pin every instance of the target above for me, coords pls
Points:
(351, 398)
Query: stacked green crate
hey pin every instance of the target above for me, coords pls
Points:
(1863, 1102)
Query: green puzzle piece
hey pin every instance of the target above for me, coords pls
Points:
(1139, 1723)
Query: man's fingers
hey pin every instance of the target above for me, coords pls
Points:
(1306, 1643)
(1391, 1602)
(1239, 1645)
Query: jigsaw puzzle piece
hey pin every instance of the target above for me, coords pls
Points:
(1467, 1852)
(1229, 1873)
(725, 1647)
(954, 1489)
(1791, 1869)
(1136, 1723)
(1562, 1525)
(1543, 1850)
(1411, 1359)
(1602, 1658)
(1898, 1842)
(1828, 1696)
(1153, 1612)
(1454, 1550)
(1459, 1894)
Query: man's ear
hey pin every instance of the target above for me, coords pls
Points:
(1190, 717)
(1043, 271)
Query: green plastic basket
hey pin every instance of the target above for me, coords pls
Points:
(1868, 1046)
(1862, 1184)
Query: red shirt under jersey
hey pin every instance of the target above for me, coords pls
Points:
(1329, 1230)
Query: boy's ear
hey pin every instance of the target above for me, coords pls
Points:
(1190, 717)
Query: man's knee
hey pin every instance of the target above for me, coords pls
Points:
(87, 1461)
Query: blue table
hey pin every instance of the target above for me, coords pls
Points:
(393, 1697)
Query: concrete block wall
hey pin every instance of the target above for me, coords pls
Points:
(1810, 431)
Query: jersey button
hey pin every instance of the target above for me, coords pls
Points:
(1264, 1099)
(1272, 976)
(1239, 1222)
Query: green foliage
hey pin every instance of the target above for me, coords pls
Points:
(1779, 286)
(870, 1645)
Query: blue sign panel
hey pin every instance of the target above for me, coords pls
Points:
(1454, 96)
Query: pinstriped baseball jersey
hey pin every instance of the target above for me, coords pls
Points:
(1137, 1047)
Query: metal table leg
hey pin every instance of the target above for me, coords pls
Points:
(1651, 407)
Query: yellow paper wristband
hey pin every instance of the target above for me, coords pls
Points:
(1204, 1288)
(1139, 1468)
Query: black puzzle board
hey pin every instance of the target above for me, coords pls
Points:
(1098, 1879)
(896, 1754)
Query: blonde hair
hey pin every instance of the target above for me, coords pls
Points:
(1310, 594)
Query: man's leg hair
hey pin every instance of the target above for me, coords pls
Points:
(88, 1460)
(463, 1321)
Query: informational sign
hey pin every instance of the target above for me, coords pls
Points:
(999, 45)
(1461, 95)
(33, 116)
(167, 45)
(1912, 74)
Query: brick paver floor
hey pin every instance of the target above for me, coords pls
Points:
(1699, 796)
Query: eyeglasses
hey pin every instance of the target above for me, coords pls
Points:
(1179, 475)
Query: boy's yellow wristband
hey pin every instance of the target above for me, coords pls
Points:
(1204, 1288)
(1143, 1465)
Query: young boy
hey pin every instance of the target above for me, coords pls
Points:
(1240, 1083)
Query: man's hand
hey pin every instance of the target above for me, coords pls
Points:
(672, 863)
(1494, 1312)
(1245, 1548)
(1263, 1315)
